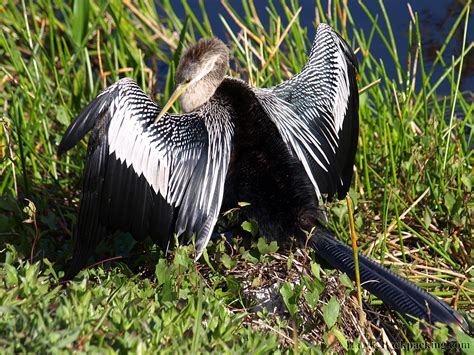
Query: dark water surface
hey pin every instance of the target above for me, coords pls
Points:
(436, 19)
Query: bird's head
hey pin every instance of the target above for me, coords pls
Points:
(200, 71)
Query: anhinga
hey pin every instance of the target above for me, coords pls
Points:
(280, 149)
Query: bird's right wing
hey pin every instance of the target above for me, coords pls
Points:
(149, 178)
(316, 112)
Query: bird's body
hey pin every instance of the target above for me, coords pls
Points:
(279, 149)
(265, 174)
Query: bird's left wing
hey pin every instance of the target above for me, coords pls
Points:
(149, 178)
(316, 113)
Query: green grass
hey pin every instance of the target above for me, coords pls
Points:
(412, 190)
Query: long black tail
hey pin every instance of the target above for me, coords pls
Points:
(395, 291)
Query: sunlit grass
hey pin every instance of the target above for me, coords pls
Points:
(412, 190)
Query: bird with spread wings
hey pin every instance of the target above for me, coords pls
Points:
(281, 149)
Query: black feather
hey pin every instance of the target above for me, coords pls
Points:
(84, 122)
(395, 291)
(89, 229)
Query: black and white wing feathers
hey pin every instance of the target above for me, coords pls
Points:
(316, 113)
(148, 178)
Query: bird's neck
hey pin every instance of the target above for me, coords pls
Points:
(197, 95)
(200, 92)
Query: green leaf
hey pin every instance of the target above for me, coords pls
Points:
(464, 339)
(11, 254)
(441, 334)
(427, 216)
(30, 274)
(363, 99)
(449, 201)
(11, 275)
(467, 181)
(245, 255)
(78, 83)
(62, 116)
(257, 282)
(182, 259)
(228, 262)
(289, 261)
(289, 298)
(319, 285)
(66, 339)
(316, 270)
(251, 227)
(354, 197)
(162, 272)
(179, 49)
(346, 281)
(80, 20)
(265, 248)
(205, 255)
(342, 339)
(312, 297)
(167, 293)
(331, 312)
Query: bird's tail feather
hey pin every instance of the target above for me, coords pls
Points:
(394, 290)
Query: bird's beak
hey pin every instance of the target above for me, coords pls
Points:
(176, 94)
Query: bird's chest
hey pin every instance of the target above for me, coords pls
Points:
(261, 166)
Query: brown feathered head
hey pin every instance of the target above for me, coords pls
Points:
(200, 71)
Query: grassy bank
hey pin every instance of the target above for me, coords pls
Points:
(412, 190)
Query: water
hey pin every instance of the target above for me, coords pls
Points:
(436, 19)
